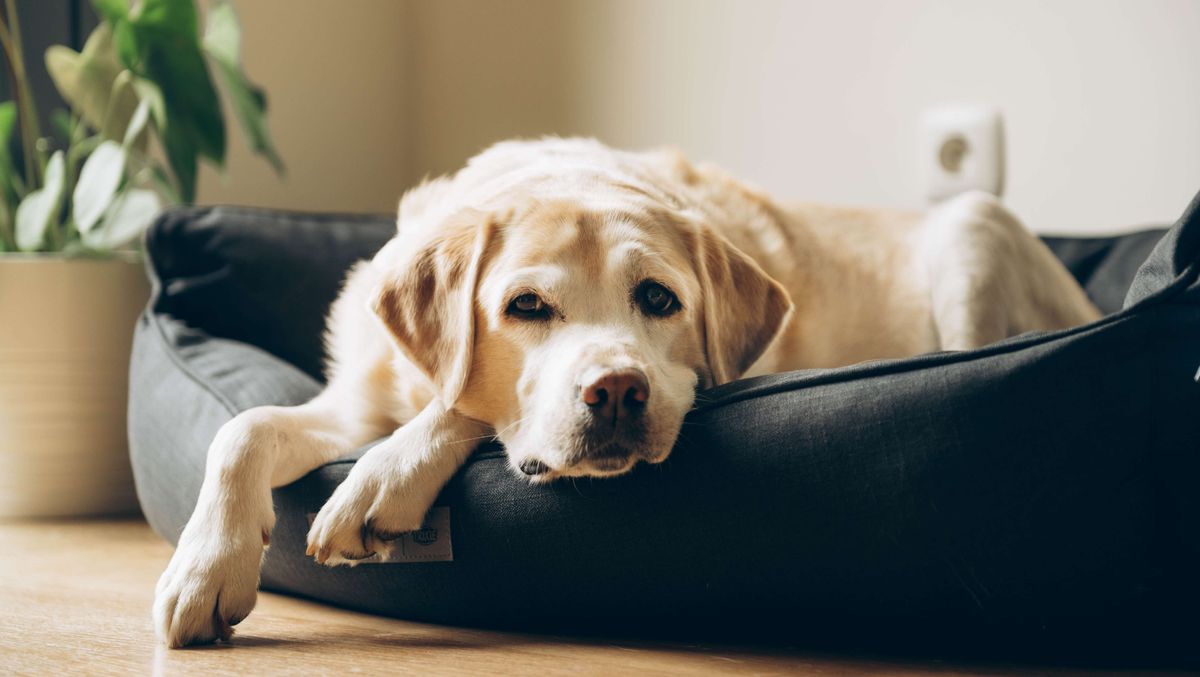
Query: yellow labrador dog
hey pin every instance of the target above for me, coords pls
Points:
(568, 300)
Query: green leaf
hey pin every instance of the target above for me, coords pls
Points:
(5, 225)
(6, 222)
(137, 123)
(8, 194)
(223, 33)
(181, 153)
(149, 92)
(170, 16)
(160, 179)
(61, 124)
(126, 218)
(223, 43)
(191, 100)
(98, 181)
(167, 33)
(127, 44)
(112, 10)
(85, 79)
(9, 180)
(8, 122)
(40, 208)
(159, 43)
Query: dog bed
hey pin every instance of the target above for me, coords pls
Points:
(1037, 492)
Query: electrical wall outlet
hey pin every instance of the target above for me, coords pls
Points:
(962, 148)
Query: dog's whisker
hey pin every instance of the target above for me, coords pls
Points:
(510, 426)
(492, 436)
(473, 439)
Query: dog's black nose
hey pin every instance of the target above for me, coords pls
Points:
(616, 395)
(533, 467)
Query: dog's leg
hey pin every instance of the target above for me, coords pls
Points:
(211, 582)
(389, 490)
(990, 278)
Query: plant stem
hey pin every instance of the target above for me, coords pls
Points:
(8, 239)
(30, 132)
(75, 151)
(7, 46)
(123, 79)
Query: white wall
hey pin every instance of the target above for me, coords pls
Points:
(811, 99)
(821, 100)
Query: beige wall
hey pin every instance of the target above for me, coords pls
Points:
(811, 99)
(334, 75)
(488, 70)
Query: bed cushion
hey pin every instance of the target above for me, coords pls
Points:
(1035, 494)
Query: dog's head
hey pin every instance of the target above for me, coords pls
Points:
(581, 334)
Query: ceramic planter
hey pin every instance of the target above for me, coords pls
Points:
(65, 332)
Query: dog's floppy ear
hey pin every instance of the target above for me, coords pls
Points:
(744, 308)
(427, 302)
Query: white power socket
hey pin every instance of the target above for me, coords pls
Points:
(962, 148)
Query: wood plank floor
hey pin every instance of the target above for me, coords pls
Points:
(75, 599)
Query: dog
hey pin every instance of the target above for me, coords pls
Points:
(569, 300)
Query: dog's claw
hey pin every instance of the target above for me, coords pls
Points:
(360, 519)
(389, 536)
(209, 586)
(354, 557)
(222, 629)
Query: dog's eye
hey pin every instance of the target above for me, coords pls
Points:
(528, 306)
(656, 299)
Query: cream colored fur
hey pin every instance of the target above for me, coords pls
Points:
(425, 346)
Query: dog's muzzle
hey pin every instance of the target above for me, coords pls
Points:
(612, 425)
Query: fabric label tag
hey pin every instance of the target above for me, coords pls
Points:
(430, 543)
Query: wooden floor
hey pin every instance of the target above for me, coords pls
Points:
(75, 599)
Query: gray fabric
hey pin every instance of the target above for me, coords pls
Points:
(188, 386)
(1106, 266)
(1170, 258)
(1036, 494)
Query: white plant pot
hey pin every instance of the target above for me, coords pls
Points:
(66, 326)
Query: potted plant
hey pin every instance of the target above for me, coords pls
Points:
(144, 112)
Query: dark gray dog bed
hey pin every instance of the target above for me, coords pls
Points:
(1035, 493)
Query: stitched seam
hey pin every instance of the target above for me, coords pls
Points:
(182, 365)
(319, 217)
(151, 316)
(192, 214)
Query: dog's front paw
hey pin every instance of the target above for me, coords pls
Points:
(210, 585)
(366, 512)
